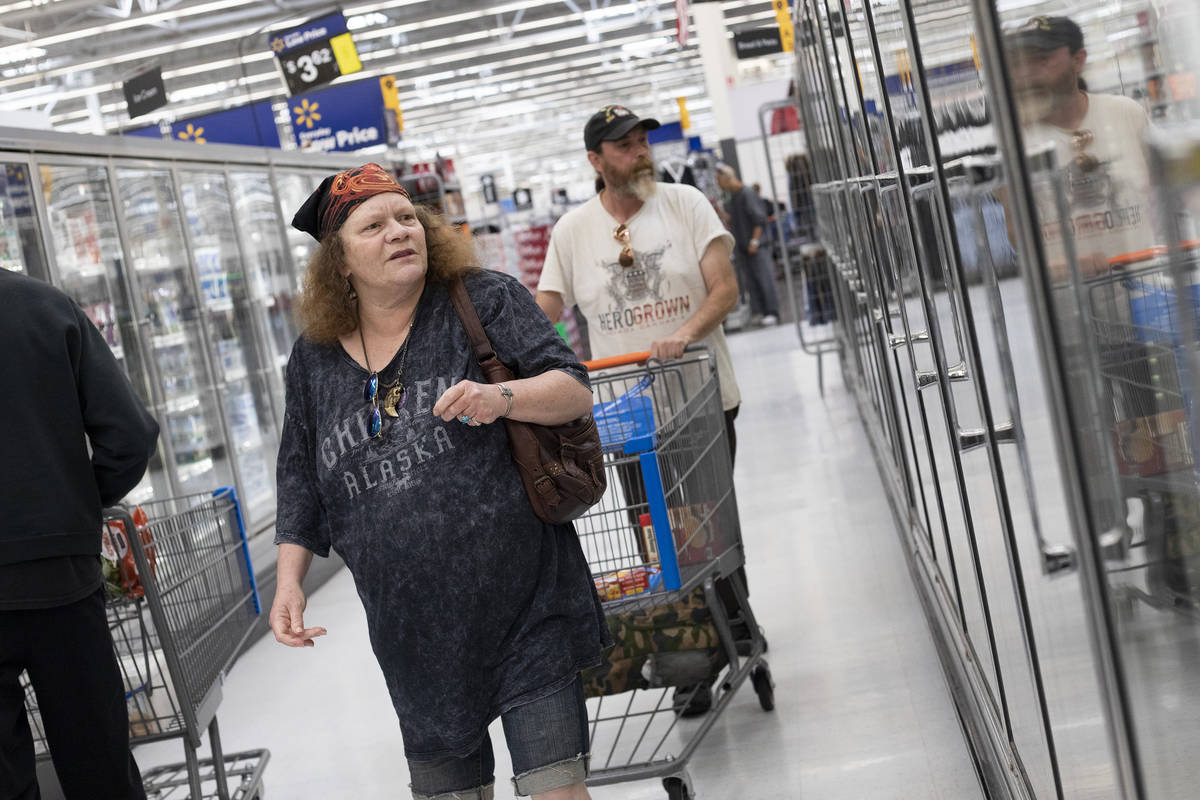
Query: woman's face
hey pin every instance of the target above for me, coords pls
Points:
(384, 243)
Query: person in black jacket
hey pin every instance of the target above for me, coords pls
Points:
(74, 438)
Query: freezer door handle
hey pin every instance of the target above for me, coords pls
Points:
(929, 378)
(1058, 558)
(896, 341)
(974, 438)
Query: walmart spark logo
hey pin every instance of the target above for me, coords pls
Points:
(277, 45)
(306, 113)
(193, 134)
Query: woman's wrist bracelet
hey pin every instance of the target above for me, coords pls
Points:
(507, 394)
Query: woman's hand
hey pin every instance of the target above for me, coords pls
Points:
(287, 618)
(481, 402)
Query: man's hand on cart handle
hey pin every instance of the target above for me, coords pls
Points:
(287, 619)
(670, 347)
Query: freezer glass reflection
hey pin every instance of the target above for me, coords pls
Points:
(161, 283)
(91, 269)
(20, 241)
(294, 187)
(271, 285)
(230, 292)
(1095, 92)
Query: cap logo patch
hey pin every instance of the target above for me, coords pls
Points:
(612, 112)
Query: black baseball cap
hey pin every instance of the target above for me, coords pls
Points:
(1048, 33)
(611, 123)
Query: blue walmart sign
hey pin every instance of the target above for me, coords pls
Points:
(252, 125)
(249, 125)
(349, 116)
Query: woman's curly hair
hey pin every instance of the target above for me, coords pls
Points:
(326, 310)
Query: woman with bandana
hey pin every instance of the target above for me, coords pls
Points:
(476, 608)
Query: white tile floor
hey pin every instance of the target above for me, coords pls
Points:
(862, 707)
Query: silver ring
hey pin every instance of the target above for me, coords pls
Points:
(474, 423)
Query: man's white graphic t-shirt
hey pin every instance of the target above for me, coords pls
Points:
(1106, 181)
(627, 308)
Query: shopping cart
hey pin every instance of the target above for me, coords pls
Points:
(178, 624)
(1141, 347)
(665, 549)
(802, 257)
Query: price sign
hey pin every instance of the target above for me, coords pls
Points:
(309, 67)
(315, 53)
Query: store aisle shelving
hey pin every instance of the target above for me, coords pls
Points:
(862, 708)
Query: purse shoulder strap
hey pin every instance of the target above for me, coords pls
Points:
(493, 369)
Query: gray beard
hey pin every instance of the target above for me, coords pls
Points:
(642, 187)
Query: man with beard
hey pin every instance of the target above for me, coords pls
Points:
(649, 266)
(1098, 140)
(647, 263)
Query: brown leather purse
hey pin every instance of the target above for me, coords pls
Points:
(562, 466)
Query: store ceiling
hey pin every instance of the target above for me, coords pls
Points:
(499, 86)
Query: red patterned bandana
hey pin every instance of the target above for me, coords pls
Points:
(328, 208)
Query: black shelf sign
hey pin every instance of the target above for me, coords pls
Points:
(757, 43)
(145, 92)
(315, 53)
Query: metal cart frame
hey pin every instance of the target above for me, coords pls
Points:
(670, 503)
(176, 638)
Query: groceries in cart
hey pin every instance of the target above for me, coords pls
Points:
(121, 576)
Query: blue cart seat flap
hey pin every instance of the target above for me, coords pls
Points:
(627, 423)
(1154, 313)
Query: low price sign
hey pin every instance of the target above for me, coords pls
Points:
(315, 53)
(348, 116)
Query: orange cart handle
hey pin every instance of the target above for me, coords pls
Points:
(618, 361)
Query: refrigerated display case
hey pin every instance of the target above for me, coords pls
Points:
(181, 256)
(20, 240)
(228, 284)
(1018, 292)
(292, 188)
(90, 266)
(271, 287)
(165, 298)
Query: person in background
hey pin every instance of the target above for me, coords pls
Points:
(649, 265)
(390, 455)
(756, 268)
(769, 208)
(75, 439)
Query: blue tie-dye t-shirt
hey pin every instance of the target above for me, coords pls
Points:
(474, 605)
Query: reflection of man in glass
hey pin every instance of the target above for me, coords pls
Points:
(1098, 139)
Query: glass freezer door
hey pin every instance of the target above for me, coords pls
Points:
(164, 296)
(20, 242)
(228, 297)
(293, 188)
(1100, 140)
(89, 266)
(270, 284)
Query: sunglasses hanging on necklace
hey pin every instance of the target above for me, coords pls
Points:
(621, 234)
(395, 390)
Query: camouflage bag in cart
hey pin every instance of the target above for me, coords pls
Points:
(669, 645)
